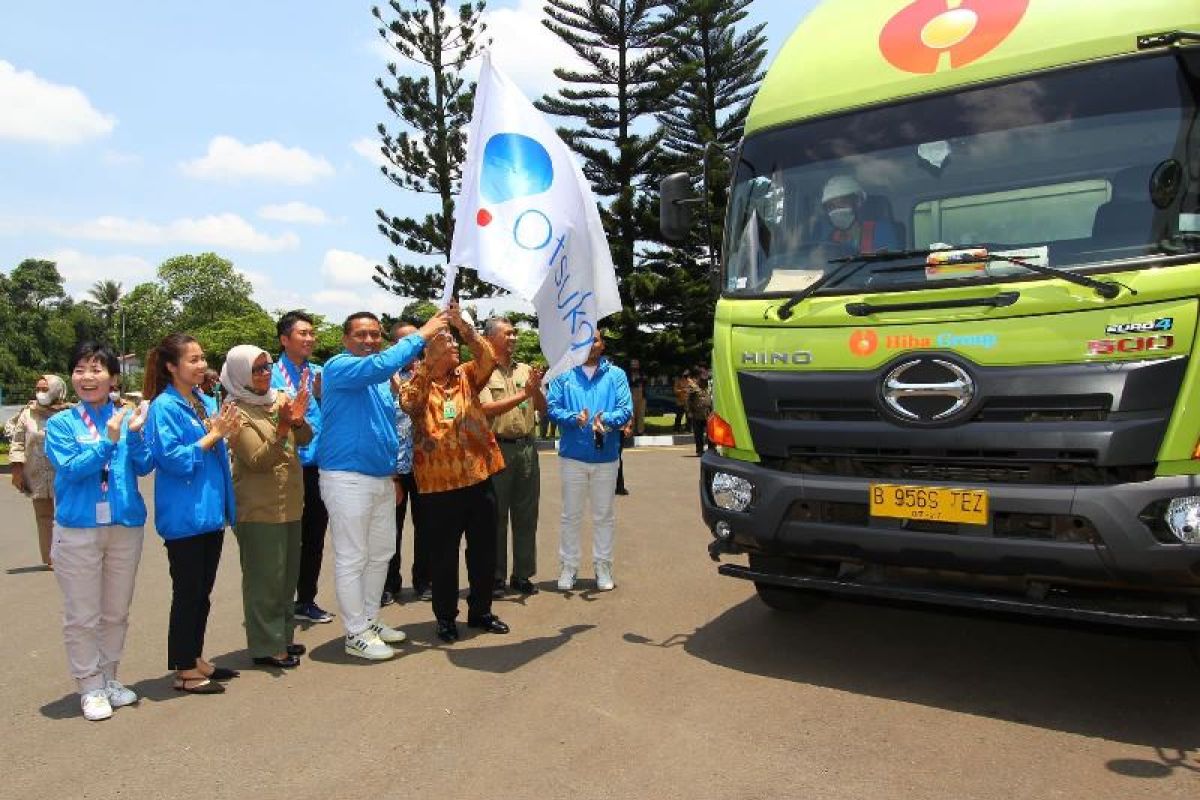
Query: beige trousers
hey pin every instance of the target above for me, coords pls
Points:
(43, 513)
(95, 569)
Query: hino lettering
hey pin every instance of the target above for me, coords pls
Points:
(771, 359)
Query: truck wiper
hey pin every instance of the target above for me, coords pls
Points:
(849, 265)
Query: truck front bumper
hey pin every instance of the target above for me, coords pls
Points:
(822, 517)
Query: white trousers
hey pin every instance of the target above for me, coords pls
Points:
(582, 480)
(362, 528)
(96, 569)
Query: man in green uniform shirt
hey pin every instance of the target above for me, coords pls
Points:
(513, 392)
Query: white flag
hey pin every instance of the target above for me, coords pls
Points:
(527, 221)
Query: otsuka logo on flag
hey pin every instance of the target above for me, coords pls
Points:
(916, 38)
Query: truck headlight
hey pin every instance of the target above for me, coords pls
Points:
(1183, 518)
(731, 492)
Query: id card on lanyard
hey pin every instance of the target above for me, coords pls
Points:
(103, 509)
(305, 378)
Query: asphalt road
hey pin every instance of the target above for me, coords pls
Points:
(678, 684)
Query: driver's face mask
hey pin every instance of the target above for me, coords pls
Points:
(842, 218)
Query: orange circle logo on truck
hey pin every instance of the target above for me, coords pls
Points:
(917, 36)
(863, 342)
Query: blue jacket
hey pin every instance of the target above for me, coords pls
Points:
(607, 391)
(283, 366)
(79, 457)
(193, 491)
(358, 411)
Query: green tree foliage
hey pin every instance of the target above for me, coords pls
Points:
(205, 288)
(426, 155)
(720, 67)
(105, 297)
(218, 337)
(149, 316)
(610, 102)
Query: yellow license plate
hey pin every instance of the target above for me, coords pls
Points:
(932, 503)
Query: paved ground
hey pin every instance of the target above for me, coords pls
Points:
(678, 684)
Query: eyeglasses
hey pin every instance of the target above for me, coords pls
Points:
(259, 369)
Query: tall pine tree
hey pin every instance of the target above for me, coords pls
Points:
(426, 155)
(721, 68)
(612, 102)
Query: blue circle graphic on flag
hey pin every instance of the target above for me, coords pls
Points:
(514, 166)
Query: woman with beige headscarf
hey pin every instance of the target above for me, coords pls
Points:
(268, 486)
(32, 473)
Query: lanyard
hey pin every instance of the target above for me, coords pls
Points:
(92, 429)
(305, 376)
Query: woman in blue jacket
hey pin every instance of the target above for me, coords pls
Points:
(98, 453)
(193, 499)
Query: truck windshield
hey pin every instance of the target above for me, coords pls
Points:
(1072, 168)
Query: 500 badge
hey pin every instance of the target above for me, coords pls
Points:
(1131, 344)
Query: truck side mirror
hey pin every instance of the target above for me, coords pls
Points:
(675, 201)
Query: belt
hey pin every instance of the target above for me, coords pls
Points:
(520, 440)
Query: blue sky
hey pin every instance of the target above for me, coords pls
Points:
(134, 131)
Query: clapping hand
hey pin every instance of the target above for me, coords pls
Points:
(535, 381)
(226, 422)
(295, 409)
(598, 422)
(582, 418)
(139, 418)
(114, 424)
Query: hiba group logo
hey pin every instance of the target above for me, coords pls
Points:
(918, 37)
(516, 166)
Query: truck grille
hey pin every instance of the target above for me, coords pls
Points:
(1069, 468)
(1071, 408)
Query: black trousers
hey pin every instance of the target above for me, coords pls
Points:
(699, 431)
(679, 416)
(446, 516)
(193, 562)
(313, 522)
(420, 565)
(621, 465)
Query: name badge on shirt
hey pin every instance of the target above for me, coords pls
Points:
(449, 410)
(103, 514)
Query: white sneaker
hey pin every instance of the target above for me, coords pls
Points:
(604, 578)
(566, 579)
(368, 645)
(119, 695)
(387, 634)
(95, 705)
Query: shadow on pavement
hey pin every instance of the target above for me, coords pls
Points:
(154, 690)
(509, 657)
(27, 570)
(1116, 684)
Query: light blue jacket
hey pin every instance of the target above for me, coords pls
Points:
(358, 412)
(193, 491)
(283, 366)
(80, 456)
(607, 391)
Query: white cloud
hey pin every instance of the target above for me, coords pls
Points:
(295, 212)
(36, 110)
(81, 270)
(368, 148)
(525, 50)
(343, 268)
(216, 231)
(231, 160)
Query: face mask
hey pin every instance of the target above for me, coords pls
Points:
(842, 218)
(43, 398)
(114, 396)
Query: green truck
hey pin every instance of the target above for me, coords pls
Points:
(955, 351)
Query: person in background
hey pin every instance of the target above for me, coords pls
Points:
(357, 456)
(32, 473)
(509, 400)
(699, 406)
(193, 499)
(269, 489)
(844, 203)
(211, 385)
(293, 372)
(405, 487)
(679, 389)
(591, 404)
(546, 428)
(637, 390)
(626, 435)
(98, 452)
(454, 456)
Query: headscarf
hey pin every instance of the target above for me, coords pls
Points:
(56, 389)
(236, 376)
